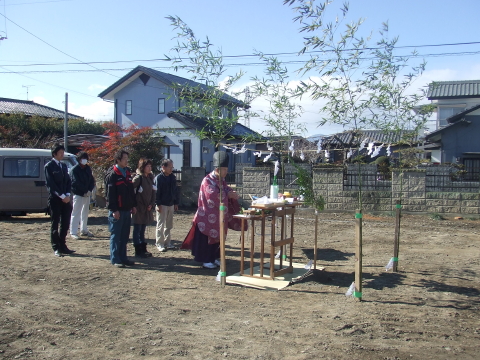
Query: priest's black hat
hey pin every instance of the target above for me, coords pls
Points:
(220, 159)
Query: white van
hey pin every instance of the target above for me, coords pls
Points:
(22, 179)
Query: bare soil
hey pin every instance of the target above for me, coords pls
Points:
(168, 306)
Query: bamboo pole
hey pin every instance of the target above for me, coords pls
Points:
(316, 246)
(358, 255)
(223, 263)
(396, 242)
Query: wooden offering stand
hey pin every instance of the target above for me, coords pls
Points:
(279, 212)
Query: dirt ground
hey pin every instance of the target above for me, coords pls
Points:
(168, 306)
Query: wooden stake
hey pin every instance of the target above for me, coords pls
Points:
(223, 264)
(358, 255)
(396, 242)
(316, 234)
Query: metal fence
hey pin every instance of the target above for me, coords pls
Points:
(368, 177)
(451, 180)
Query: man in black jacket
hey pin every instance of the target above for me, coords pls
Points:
(83, 183)
(166, 203)
(59, 187)
(121, 203)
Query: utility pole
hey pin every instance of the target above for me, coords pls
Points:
(26, 86)
(247, 111)
(65, 124)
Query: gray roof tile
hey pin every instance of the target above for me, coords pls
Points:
(14, 106)
(170, 80)
(349, 139)
(453, 89)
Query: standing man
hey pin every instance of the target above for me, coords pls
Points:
(83, 183)
(59, 186)
(121, 203)
(166, 203)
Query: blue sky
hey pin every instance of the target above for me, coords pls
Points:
(107, 31)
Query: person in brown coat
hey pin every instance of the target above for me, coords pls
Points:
(145, 195)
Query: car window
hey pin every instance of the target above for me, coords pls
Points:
(21, 168)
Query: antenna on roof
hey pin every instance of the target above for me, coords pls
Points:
(27, 86)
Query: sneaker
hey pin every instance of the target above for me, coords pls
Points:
(128, 263)
(209, 266)
(217, 262)
(88, 233)
(161, 248)
(57, 253)
(119, 265)
(75, 236)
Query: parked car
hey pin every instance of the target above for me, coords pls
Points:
(22, 180)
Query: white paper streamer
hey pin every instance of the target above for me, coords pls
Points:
(350, 290)
(370, 148)
(278, 254)
(302, 155)
(388, 151)
(228, 147)
(350, 153)
(277, 167)
(319, 146)
(389, 265)
(309, 265)
(269, 147)
(327, 154)
(268, 157)
(241, 151)
(362, 145)
(257, 154)
(292, 147)
(219, 277)
(377, 150)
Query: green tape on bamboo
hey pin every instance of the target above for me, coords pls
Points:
(284, 257)
(357, 294)
(223, 208)
(395, 259)
(222, 273)
(358, 216)
(398, 206)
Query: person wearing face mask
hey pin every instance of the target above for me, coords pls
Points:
(83, 183)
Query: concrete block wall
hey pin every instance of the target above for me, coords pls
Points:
(408, 185)
(191, 180)
(256, 182)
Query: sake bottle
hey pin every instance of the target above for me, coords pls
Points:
(274, 189)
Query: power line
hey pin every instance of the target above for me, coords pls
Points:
(63, 52)
(253, 55)
(228, 65)
(44, 82)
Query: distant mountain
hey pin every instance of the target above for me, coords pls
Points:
(315, 137)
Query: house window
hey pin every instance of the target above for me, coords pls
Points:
(128, 107)
(444, 112)
(161, 106)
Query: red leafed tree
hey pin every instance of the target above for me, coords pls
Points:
(138, 141)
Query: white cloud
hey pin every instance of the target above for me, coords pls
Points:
(97, 87)
(98, 110)
(40, 100)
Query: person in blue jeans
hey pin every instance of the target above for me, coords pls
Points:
(121, 204)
